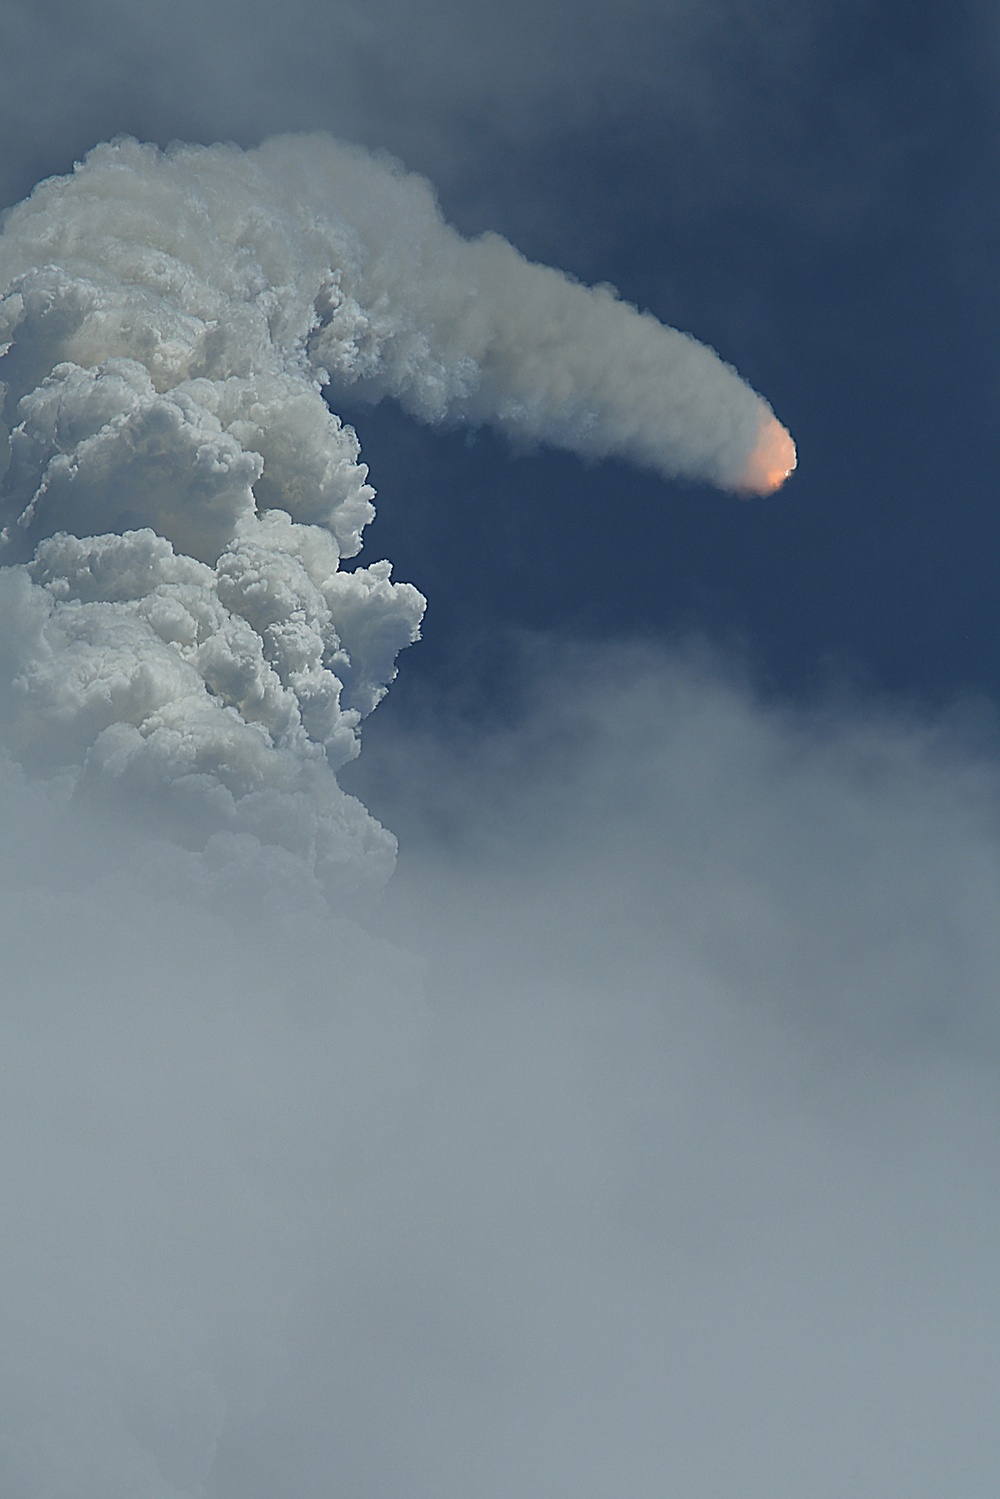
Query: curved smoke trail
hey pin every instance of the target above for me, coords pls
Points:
(177, 496)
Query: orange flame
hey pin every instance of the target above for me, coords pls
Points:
(772, 460)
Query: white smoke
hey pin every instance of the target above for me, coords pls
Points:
(320, 259)
(177, 495)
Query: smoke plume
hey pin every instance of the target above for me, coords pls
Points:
(177, 496)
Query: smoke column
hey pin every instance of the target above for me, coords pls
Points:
(177, 496)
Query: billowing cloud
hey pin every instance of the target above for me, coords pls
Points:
(181, 630)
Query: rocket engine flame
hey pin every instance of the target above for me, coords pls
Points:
(772, 460)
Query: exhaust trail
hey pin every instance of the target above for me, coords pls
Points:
(177, 631)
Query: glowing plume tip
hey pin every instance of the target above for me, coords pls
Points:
(772, 460)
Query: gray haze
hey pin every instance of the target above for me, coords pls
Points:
(431, 82)
(646, 1147)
